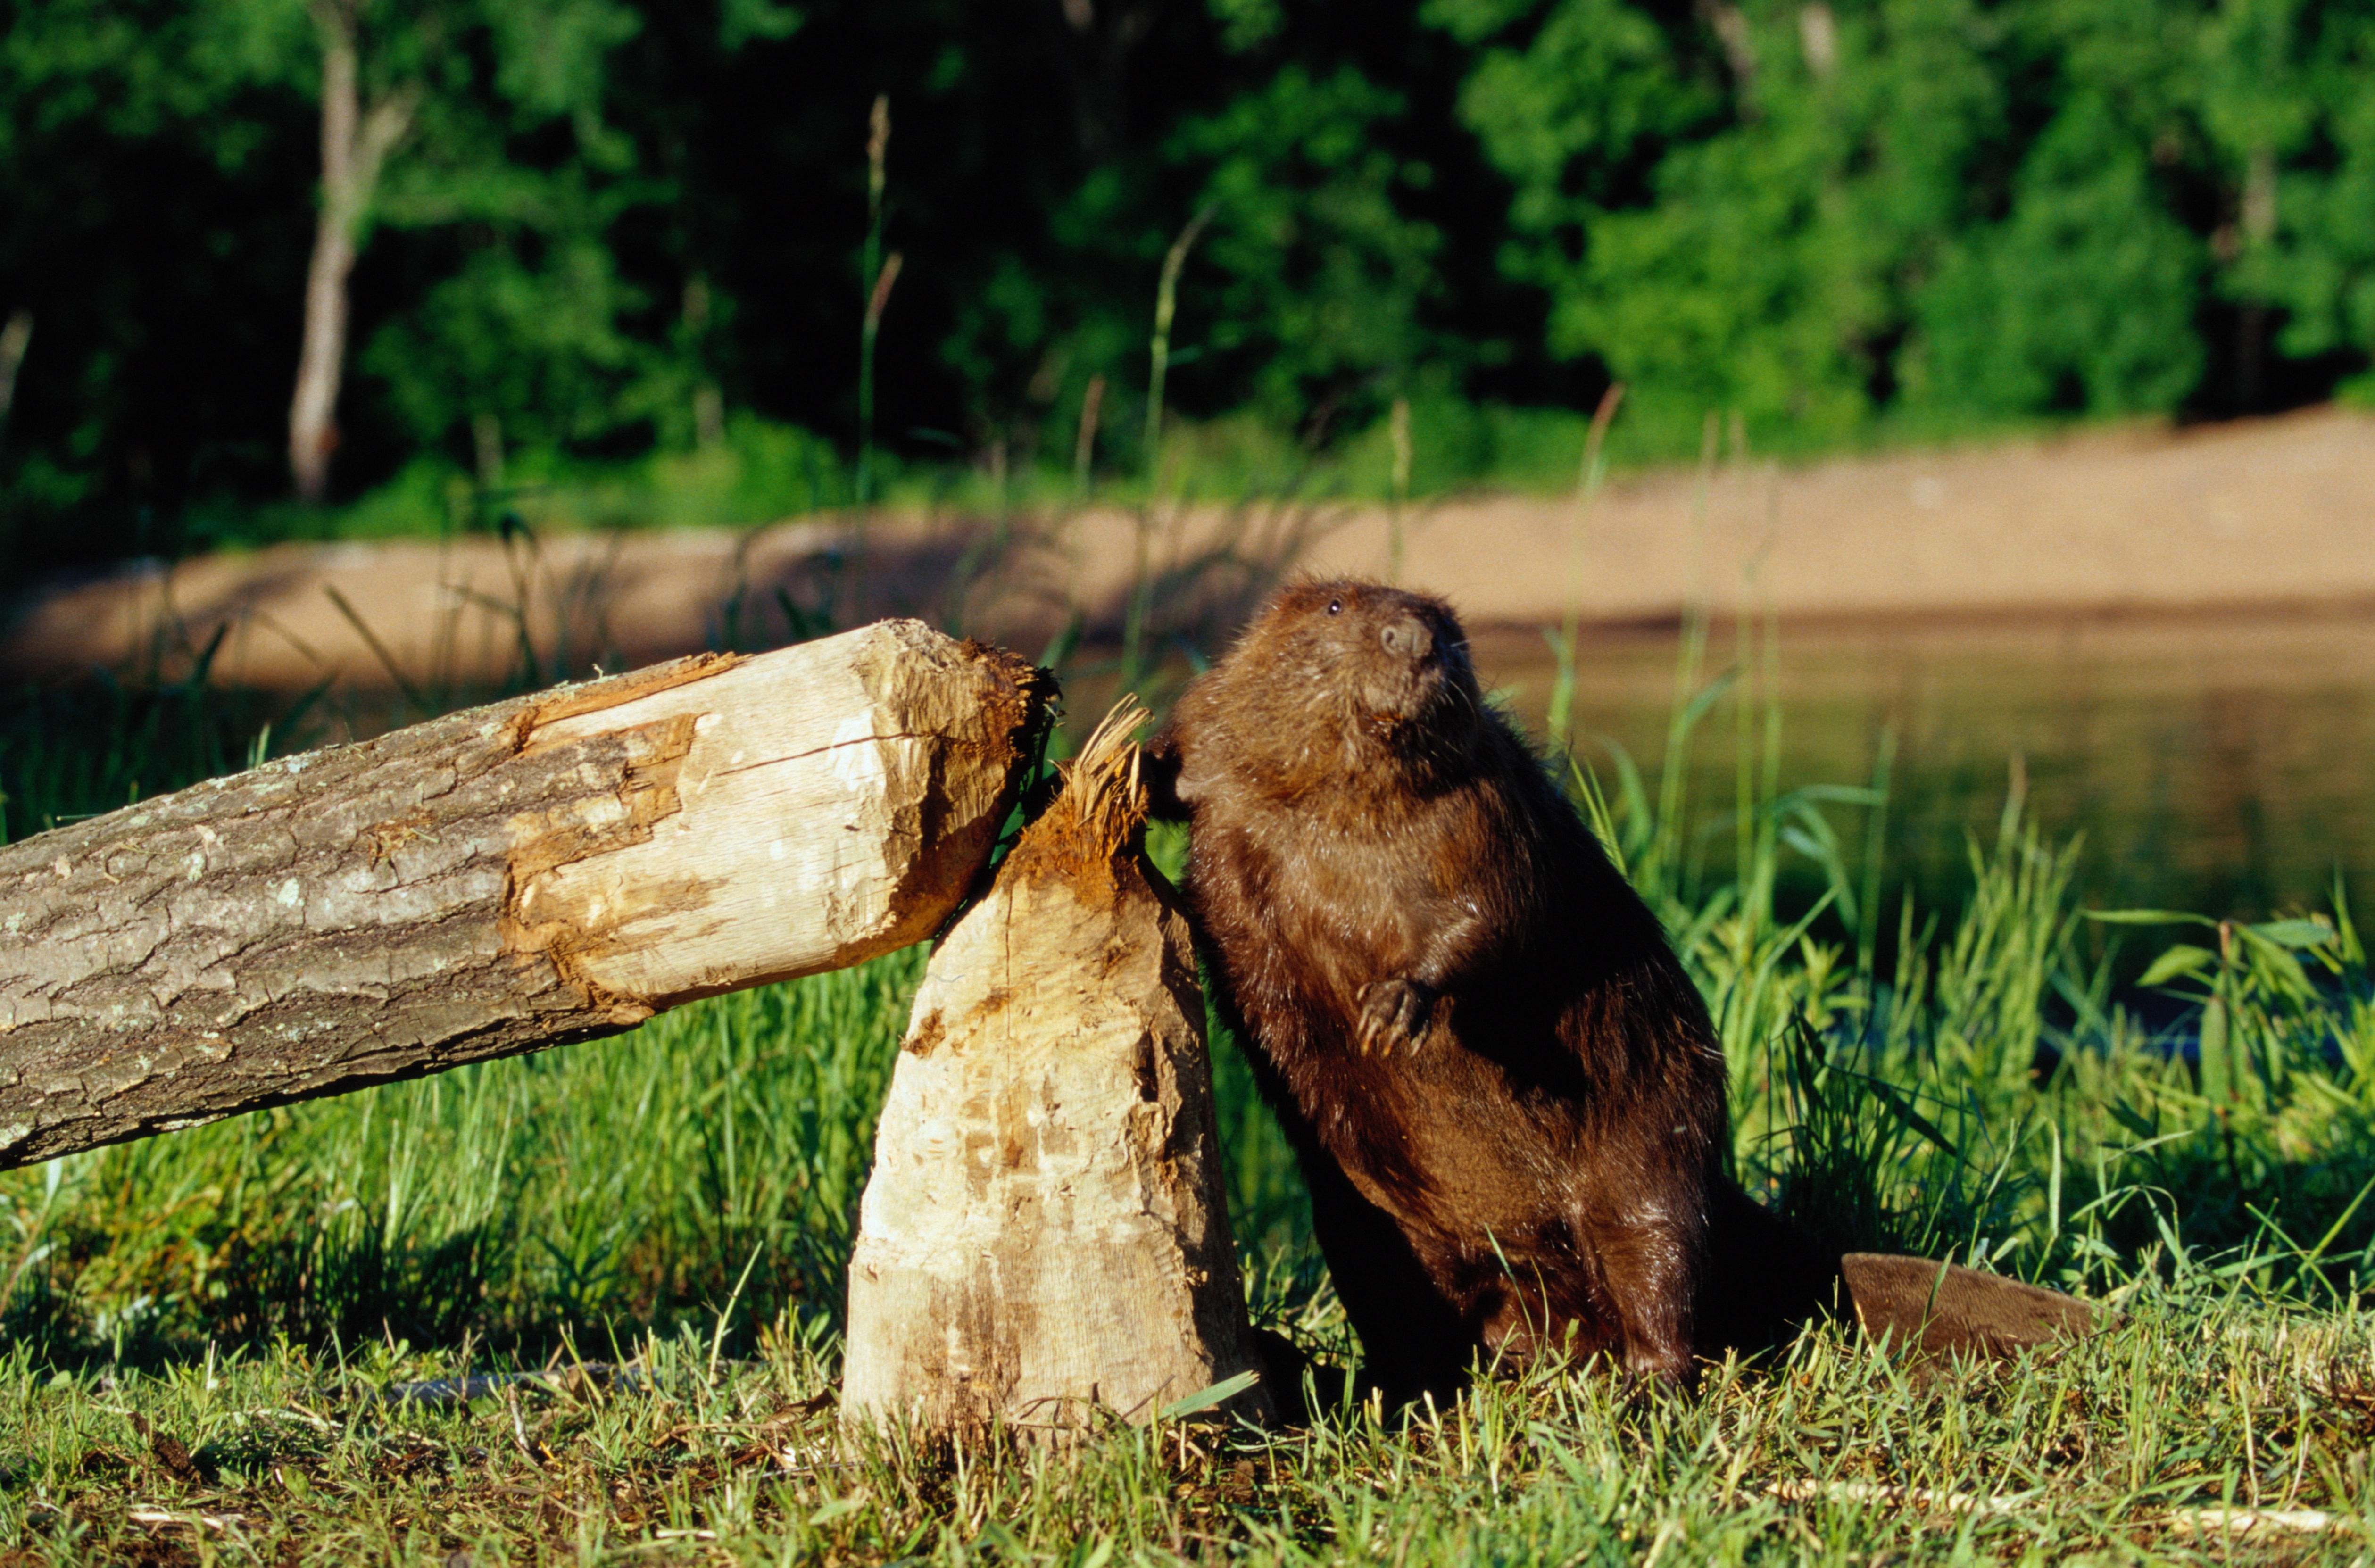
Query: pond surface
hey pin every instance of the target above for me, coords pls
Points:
(2224, 764)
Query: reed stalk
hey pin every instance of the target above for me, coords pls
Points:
(873, 294)
(1141, 578)
(1084, 443)
(1167, 299)
(878, 273)
(1586, 491)
(1398, 430)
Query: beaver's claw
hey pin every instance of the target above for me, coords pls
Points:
(1394, 1013)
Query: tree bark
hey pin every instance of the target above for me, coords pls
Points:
(354, 145)
(1045, 1242)
(540, 871)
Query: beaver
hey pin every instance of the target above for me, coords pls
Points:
(1506, 1094)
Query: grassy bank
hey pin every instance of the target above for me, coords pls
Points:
(2144, 1444)
(757, 471)
(1961, 1081)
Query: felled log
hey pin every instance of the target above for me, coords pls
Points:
(1044, 1242)
(539, 871)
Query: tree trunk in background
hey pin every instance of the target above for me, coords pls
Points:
(1044, 1241)
(543, 871)
(354, 145)
(15, 338)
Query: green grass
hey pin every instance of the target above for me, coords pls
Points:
(571, 1192)
(2204, 1397)
(1960, 1081)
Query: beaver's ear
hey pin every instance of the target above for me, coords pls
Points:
(1158, 769)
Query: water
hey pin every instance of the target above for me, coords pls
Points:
(2223, 764)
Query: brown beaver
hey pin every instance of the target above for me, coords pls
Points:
(1506, 1094)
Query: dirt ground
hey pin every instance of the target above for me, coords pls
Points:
(2262, 516)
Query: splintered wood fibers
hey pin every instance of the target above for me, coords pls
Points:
(1044, 1242)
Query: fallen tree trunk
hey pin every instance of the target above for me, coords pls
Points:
(543, 871)
(1044, 1242)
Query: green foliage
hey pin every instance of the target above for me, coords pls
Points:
(612, 224)
(2082, 300)
(508, 184)
(2287, 89)
(148, 70)
(1321, 272)
(526, 326)
(1576, 115)
(532, 344)
(1819, 214)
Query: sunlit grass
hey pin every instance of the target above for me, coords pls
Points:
(1958, 1082)
(2163, 1439)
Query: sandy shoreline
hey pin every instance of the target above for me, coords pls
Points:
(2255, 517)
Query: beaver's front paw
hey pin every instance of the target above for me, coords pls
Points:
(1394, 1013)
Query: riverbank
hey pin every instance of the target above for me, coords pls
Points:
(2261, 517)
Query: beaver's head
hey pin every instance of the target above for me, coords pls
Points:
(1340, 673)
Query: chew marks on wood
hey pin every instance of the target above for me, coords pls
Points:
(543, 871)
(1044, 1242)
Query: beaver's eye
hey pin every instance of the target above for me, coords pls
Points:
(1335, 606)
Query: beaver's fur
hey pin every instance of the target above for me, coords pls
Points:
(1506, 1094)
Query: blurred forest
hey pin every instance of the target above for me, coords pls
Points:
(610, 231)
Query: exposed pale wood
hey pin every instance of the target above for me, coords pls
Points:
(542, 870)
(1044, 1242)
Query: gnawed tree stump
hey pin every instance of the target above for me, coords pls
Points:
(1044, 1242)
(539, 871)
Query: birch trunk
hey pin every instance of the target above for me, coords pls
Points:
(354, 145)
(1044, 1242)
(543, 871)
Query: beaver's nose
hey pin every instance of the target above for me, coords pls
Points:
(1408, 638)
